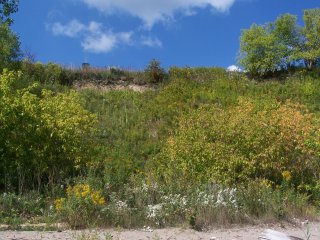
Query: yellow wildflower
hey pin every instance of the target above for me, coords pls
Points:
(59, 203)
(85, 190)
(97, 198)
(69, 190)
(286, 176)
(101, 201)
(267, 183)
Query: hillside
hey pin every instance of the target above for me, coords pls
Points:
(189, 151)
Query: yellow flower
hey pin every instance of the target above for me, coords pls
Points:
(101, 201)
(267, 183)
(59, 203)
(77, 190)
(286, 176)
(69, 190)
(85, 190)
(97, 198)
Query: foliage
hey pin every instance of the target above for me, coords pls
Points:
(261, 52)
(124, 138)
(241, 144)
(154, 72)
(42, 136)
(53, 73)
(81, 205)
(9, 47)
(16, 208)
(310, 49)
(266, 49)
(151, 204)
(7, 7)
(199, 115)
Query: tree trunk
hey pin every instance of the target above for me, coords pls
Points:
(310, 64)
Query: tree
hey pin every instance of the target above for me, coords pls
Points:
(9, 47)
(7, 7)
(154, 72)
(260, 52)
(288, 34)
(276, 46)
(9, 41)
(309, 51)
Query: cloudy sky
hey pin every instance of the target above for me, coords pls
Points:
(129, 33)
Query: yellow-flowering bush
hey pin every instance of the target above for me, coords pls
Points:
(45, 135)
(81, 206)
(270, 141)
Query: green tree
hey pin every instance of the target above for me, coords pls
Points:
(154, 72)
(9, 41)
(9, 47)
(8, 7)
(261, 52)
(309, 50)
(288, 35)
(276, 46)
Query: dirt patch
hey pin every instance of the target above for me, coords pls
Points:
(236, 233)
(109, 87)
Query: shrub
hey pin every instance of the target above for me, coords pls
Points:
(15, 207)
(154, 72)
(240, 144)
(44, 137)
(81, 206)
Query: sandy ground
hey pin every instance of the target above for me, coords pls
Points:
(245, 233)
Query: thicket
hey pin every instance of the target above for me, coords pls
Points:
(282, 45)
(45, 135)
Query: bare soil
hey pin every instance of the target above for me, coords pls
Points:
(236, 233)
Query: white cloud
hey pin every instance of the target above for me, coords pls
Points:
(153, 11)
(151, 42)
(101, 43)
(94, 38)
(71, 29)
(234, 68)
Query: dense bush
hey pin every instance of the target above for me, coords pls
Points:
(44, 138)
(241, 144)
(154, 72)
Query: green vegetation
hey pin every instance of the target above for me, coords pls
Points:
(8, 7)
(154, 72)
(9, 41)
(273, 47)
(190, 151)
(200, 147)
(45, 136)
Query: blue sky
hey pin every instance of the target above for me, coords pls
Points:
(129, 33)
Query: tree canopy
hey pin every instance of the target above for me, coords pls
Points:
(9, 41)
(7, 7)
(278, 45)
